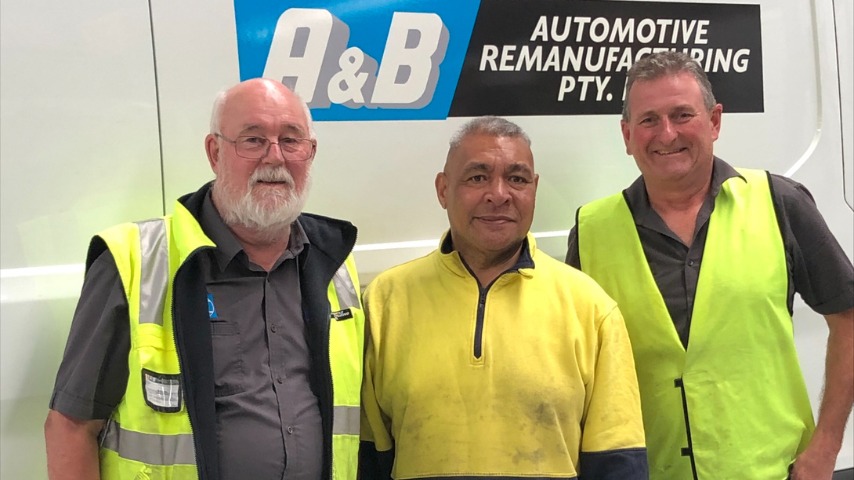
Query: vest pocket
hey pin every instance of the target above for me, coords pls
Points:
(228, 365)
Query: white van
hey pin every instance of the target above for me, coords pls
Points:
(104, 107)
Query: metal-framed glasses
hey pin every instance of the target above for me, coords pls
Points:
(254, 147)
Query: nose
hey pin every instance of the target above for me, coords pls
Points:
(667, 130)
(498, 192)
(274, 154)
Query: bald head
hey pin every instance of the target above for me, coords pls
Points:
(253, 89)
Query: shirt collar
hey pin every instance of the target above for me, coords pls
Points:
(638, 198)
(525, 259)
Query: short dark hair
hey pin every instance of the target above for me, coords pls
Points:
(659, 64)
(488, 125)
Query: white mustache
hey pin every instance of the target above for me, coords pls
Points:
(275, 174)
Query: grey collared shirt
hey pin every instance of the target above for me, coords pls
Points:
(818, 268)
(269, 422)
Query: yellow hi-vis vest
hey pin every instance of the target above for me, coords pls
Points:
(734, 405)
(149, 435)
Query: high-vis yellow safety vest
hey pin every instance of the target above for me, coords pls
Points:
(734, 404)
(149, 435)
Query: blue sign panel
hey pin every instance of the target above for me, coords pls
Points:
(366, 60)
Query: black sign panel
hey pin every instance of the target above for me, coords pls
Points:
(560, 57)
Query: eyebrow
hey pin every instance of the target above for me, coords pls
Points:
(513, 168)
(678, 108)
(476, 167)
(289, 128)
(520, 167)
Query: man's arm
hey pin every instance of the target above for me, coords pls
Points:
(819, 458)
(92, 377)
(612, 444)
(376, 449)
(72, 447)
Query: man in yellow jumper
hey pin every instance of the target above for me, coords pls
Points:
(721, 388)
(206, 343)
(487, 358)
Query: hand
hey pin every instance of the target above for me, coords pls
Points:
(814, 464)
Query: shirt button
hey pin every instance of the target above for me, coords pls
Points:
(290, 429)
(690, 263)
(273, 329)
(279, 380)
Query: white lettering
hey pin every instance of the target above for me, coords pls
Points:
(702, 31)
(567, 84)
(303, 39)
(741, 60)
(541, 29)
(649, 25)
(507, 58)
(409, 70)
(599, 29)
(488, 56)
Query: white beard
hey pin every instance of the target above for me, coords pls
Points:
(268, 216)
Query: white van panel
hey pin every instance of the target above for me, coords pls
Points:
(79, 152)
(83, 122)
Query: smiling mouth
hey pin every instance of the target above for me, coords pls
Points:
(670, 152)
(494, 219)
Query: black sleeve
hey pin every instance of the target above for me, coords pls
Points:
(374, 465)
(93, 374)
(820, 271)
(625, 464)
(572, 256)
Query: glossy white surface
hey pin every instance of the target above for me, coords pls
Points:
(79, 152)
(81, 146)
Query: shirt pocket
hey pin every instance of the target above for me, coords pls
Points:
(229, 370)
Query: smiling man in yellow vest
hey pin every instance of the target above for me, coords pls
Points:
(206, 343)
(722, 393)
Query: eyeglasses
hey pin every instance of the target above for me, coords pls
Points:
(254, 148)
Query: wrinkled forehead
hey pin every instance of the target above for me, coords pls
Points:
(489, 151)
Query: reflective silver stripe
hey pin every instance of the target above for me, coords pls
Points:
(155, 270)
(347, 294)
(345, 420)
(149, 448)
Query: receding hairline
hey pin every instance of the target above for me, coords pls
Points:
(488, 126)
(223, 96)
(663, 64)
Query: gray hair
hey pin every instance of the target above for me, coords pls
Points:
(490, 126)
(660, 64)
(219, 103)
(216, 111)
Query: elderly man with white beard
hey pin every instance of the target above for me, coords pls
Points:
(206, 343)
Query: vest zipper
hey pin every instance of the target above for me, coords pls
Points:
(201, 469)
(688, 451)
(481, 307)
(478, 328)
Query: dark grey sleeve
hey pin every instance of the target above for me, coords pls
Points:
(820, 271)
(572, 256)
(93, 374)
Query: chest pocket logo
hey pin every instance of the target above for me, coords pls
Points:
(211, 307)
